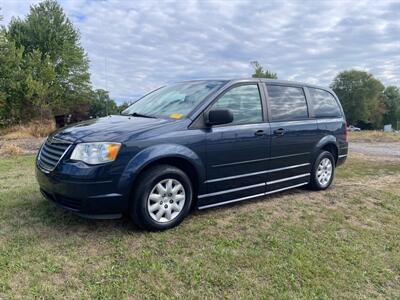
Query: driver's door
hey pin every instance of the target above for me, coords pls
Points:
(237, 152)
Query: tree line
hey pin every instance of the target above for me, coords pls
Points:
(44, 71)
(365, 100)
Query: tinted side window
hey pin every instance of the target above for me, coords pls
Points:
(324, 104)
(245, 103)
(287, 103)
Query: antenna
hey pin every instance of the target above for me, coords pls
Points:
(106, 82)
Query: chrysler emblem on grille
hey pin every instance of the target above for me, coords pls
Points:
(52, 140)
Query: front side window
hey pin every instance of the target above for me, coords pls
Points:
(245, 103)
(287, 103)
(175, 101)
(324, 104)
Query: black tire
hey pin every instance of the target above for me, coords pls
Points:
(147, 181)
(315, 183)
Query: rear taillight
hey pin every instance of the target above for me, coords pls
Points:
(345, 131)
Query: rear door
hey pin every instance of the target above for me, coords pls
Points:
(293, 136)
(237, 153)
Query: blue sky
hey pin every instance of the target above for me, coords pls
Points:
(144, 44)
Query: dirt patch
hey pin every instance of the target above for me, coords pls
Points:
(19, 146)
(24, 139)
(10, 149)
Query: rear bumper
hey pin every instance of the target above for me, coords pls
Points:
(341, 159)
(90, 199)
(343, 152)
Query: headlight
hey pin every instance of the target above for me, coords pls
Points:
(96, 153)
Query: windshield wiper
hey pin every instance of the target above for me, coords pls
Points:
(135, 114)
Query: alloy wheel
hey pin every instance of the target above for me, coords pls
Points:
(324, 172)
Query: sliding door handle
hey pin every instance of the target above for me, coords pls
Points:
(279, 131)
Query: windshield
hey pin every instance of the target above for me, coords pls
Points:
(174, 101)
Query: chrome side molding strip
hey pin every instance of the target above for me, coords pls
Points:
(290, 155)
(286, 188)
(231, 190)
(230, 201)
(235, 176)
(253, 186)
(257, 160)
(239, 162)
(288, 178)
(287, 168)
(255, 173)
(341, 156)
(250, 197)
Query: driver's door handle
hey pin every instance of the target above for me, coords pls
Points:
(259, 132)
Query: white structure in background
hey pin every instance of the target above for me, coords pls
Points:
(388, 128)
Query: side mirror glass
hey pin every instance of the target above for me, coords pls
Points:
(218, 116)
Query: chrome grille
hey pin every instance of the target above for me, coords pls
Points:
(51, 153)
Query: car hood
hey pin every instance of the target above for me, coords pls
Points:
(111, 128)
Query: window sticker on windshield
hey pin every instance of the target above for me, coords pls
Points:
(176, 116)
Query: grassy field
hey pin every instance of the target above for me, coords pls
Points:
(340, 243)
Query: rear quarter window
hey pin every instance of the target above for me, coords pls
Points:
(323, 103)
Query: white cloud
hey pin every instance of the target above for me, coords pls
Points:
(149, 43)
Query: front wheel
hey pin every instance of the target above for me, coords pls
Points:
(323, 171)
(162, 199)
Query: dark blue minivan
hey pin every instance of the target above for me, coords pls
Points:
(195, 144)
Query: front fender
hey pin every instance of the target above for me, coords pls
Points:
(153, 153)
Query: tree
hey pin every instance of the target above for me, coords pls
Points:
(102, 105)
(40, 79)
(123, 106)
(259, 71)
(360, 94)
(12, 83)
(392, 102)
(25, 84)
(48, 31)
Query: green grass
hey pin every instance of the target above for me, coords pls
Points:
(340, 243)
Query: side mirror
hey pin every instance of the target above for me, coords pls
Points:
(218, 116)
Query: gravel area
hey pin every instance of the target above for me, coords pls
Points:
(378, 150)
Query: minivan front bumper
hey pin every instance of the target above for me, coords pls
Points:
(91, 199)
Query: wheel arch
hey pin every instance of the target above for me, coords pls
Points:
(171, 154)
(328, 143)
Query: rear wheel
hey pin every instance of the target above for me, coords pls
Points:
(162, 198)
(323, 171)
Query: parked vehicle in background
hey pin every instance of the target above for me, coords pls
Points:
(353, 128)
(388, 128)
(195, 144)
(64, 120)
